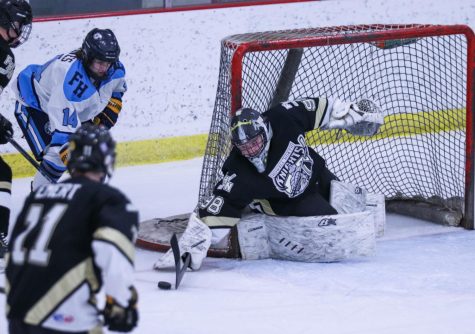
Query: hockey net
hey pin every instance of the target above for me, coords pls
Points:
(421, 75)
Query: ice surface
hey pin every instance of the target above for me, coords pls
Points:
(421, 280)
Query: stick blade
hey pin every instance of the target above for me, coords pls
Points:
(186, 258)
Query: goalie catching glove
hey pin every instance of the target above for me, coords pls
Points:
(362, 118)
(118, 318)
(196, 240)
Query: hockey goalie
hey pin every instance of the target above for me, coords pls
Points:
(278, 199)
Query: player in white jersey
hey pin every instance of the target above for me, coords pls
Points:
(54, 99)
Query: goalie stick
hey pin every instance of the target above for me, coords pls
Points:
(179, 270)
(186, 257)
(155, 234)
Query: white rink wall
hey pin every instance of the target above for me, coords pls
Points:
(172, 59)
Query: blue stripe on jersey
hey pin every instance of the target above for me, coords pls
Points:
(118, 95)
(59, 138)
(25, 86)
(43, 67)
(32, 129)
(53, 169)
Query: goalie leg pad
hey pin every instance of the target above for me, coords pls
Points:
(376, 204)
(322, 238)
(346, 197)
(252, 236)
(196, 240)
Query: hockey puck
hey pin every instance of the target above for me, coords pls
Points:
(164, 285)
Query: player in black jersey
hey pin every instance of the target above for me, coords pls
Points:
(271, 169)
(70, 240)
(15, 27)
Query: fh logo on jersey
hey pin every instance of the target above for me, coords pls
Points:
(292, 173)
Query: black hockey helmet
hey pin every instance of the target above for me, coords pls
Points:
(91, 148)
(16, 11)
(100, 44)
(249, 132)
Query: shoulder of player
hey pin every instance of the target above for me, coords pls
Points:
(102, 192)
(113, 192)
(278, 116)
(233, 161)
(119, 68)
(237, 165)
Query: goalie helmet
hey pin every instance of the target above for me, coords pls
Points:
(251, 135)
(91, 148)
(100, 44)
(16, 15)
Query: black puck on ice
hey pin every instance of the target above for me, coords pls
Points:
(164, 285)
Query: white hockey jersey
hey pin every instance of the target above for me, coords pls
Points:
(62, 89)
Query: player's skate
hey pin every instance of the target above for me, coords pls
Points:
(195, 240)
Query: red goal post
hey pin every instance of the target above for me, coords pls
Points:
(422, 76)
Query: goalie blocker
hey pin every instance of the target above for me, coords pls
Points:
(306, 239)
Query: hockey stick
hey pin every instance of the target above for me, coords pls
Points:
(186, 257)
(29, 158)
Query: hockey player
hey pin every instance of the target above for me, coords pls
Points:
(271, 168)
(54, 99)
(15, 28)
(70, 239)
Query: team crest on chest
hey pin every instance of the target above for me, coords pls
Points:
(292, 173)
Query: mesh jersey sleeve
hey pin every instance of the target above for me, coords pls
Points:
(113, 245)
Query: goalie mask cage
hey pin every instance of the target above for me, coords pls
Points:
(421, 75)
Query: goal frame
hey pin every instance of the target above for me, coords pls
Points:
(245, 43)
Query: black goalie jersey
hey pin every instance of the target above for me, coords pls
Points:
(70, 238)
(295, 181)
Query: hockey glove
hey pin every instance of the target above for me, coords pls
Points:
(64, 153)
(6, 130)
(362, 118)
(121, 319)
(195, 240)
(108, 117)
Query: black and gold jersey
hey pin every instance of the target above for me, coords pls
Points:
(68, 239)
(295, 181)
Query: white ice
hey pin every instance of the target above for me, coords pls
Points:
(421, 280)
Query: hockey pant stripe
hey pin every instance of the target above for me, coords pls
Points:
(52, 170)
(33, 123)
